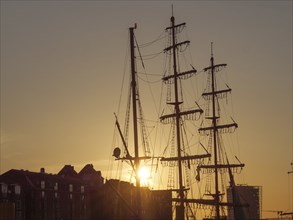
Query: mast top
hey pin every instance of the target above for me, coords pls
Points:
(212, 52)
(172, 18)
(134, 27)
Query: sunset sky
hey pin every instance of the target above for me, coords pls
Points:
(62, 67)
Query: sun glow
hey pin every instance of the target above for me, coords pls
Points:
(144, 175)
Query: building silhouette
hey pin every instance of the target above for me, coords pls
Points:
(69, 195)
(247, 200)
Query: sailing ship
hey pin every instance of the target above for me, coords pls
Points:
(190, 162)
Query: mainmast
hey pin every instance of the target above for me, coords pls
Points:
(178, 114)
(214, 119)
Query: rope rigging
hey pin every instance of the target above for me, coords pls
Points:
(193, 168)
(153, 41)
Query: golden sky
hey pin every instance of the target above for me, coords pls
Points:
(62, 65)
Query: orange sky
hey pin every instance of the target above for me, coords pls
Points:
(62, 66)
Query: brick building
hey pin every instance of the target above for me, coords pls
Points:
(69, 195)
(49, 196)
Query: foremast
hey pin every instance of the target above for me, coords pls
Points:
(178, 114)
(214, 131)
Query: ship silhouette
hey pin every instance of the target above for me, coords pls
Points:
(198, 170)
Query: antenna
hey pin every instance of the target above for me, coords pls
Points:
(212, 49)
(172, 9)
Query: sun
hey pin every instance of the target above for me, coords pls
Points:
(144, 175)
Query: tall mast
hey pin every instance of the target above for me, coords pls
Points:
(134, 109)
(134, 113)
(177, 116)
(215, 130)
(214, 119)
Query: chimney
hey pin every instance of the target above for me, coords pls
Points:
(42, 170)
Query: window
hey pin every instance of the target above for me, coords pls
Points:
(56, 187)
(42, 184)
(70, 188)
(17, 189)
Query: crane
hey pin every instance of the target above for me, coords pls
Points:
(278, 212)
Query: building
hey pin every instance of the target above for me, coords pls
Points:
(120, 202)
(247, 201)
(10, 201)
(39, 195)
(69, 195)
